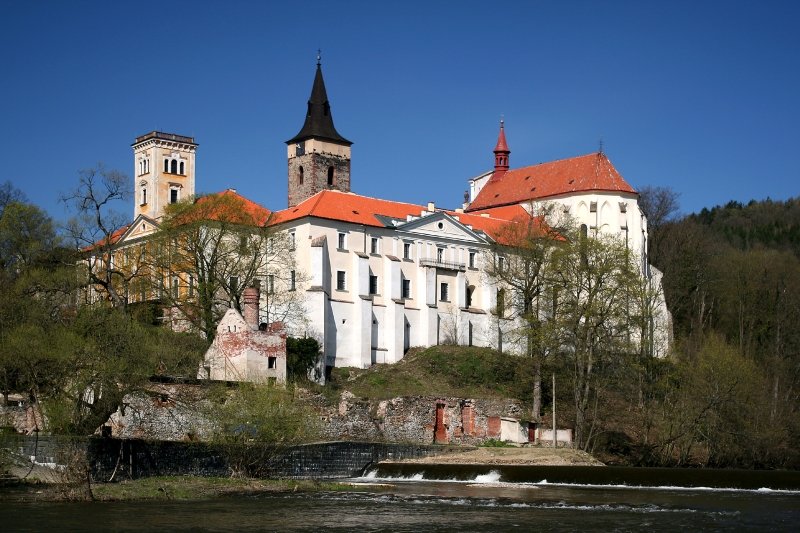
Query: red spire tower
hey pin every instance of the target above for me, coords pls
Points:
(501, 153)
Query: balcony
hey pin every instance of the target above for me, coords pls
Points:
(444, 265)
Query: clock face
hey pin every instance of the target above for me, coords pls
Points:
(300, 149)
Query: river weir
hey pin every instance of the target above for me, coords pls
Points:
(392, 497)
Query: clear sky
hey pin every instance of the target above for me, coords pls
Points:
(698, 96)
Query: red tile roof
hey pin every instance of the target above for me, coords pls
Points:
(356, 209)
(347, 207)
(591, 172)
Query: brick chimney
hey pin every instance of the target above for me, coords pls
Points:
(251, 296)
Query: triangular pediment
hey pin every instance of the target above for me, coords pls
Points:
(441, 225)
(143, 226)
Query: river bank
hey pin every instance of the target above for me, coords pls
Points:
(181, 488)
(510, 456)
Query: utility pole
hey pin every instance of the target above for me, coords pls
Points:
(555, 443)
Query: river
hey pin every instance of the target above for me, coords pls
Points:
(485, 502)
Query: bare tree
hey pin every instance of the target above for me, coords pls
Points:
(95, 228)
(208, 250)
(517, 265)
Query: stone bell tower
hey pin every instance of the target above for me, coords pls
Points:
(319, 158)
(163, 171)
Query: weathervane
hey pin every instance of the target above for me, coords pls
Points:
(319, 56)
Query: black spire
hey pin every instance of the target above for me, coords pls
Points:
(319, 121)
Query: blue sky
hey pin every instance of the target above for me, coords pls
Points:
(698, 96)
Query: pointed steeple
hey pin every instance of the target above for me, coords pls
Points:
(501, 152)
(319, 121)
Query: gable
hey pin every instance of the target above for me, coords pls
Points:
(142, 226)
(441, 225)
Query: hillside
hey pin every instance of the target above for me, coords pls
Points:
(457, 371)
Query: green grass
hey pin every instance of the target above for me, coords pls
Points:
(201, 488)
(440, 371)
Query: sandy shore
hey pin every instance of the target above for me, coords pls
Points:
(511, 456)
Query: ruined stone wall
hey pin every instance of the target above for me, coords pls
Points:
(413, 419)
(175, 412)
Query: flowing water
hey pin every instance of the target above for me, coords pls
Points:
(484, 502)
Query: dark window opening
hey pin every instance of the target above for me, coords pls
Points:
(373, 284)
(272, 362)
(406, 288)
(182, 170)
(173, 196)
(300, 175)
(340, 280)
(330, 175)
(174, 166)
(444, 290)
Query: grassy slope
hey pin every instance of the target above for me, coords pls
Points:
(440, 371)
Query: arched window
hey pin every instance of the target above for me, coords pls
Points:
(166, 165)
(174, 166)
(300, 175)
(330, 175)
(182, 172)
(146, 166)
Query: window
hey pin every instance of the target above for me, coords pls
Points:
(373, 245)
(406, 288)
(292, 280)
(373, 284)
(470, 291)
(166, 165)
(270, 284)
(593, 207)
(501, 263)
(173, 167)
(175, 287)
(342, 242)
(144, 195)
(300, 175)
(272, 361)
(233, 283)
(146, 166)
(444, 289)
(472, 259)
(292, 241)
(173, 195)
(182, 173)
(406, 250)
(191, 286)
(340, 280)
(330, 176)
(440, 254)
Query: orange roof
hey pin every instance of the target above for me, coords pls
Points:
(112, 239)
(347, 207)
(356, 209)
(591, 172)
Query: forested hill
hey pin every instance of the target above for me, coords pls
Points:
(764, 223)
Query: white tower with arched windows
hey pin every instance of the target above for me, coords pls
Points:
(164, 171)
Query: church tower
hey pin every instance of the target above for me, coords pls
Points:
(164, 172)
(319, 158)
